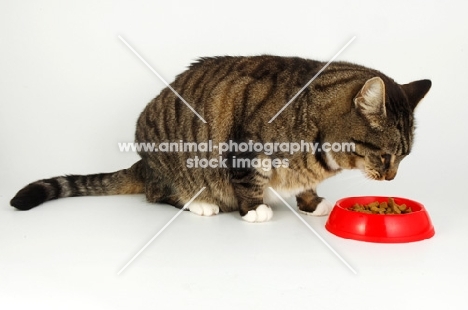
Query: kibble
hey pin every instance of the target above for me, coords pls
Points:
(384, 207)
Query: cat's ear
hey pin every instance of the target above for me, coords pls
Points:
(415, 91)
(370, 101)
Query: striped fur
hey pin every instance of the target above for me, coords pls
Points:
(237, 96)
(127, 181)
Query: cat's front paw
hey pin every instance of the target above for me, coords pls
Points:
(322, 209)
(262, 213)
(203, 208)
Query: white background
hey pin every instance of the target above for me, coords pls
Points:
(70, 91)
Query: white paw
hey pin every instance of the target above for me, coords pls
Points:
(323, 208)
(203, 208)
(263, 213)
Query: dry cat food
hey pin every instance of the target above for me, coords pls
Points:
(384, 207)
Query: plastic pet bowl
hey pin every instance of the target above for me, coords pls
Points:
(383, 228)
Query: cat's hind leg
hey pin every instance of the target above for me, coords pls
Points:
(158, 190)
(156, 193)
(203, 208)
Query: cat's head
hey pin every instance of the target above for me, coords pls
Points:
(382, 126)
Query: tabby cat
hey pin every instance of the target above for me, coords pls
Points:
(238, 96)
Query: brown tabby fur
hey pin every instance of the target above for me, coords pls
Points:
(237, 96)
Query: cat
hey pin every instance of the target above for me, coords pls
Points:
(238, 97)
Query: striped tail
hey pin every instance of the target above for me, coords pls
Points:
(127, 181)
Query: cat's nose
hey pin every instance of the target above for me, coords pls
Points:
(390, 175)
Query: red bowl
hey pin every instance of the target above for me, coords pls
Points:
(383, 228)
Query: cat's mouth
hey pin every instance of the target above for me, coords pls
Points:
(375, 175)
